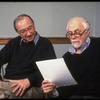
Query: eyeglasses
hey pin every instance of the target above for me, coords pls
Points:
(76, 33)
(24, 31)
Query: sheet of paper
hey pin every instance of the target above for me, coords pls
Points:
(55, 70)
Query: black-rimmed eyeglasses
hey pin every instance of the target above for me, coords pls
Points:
(76, 33)
(24, 31)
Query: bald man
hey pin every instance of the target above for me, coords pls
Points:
(83, 61)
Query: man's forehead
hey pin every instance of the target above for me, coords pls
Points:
(21, 22)
(75, 24)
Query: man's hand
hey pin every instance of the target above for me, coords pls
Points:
(48, 87)
(20, 86)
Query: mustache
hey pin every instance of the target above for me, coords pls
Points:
(75, 41)
(29, 36)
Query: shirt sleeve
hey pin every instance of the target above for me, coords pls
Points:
(57, 93)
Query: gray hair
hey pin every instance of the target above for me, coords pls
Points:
(84, 22)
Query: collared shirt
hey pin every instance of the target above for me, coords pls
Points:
(35, 39)
(73, 51)
(57, 94)
(85, 45)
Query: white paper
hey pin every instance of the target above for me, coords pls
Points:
(55, 70)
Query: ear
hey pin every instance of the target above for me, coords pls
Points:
(34, 26)
(88, 32)
(19, 34)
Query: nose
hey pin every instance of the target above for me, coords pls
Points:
(73, 36)
(28, 33)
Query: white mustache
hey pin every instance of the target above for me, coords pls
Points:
(75, 41)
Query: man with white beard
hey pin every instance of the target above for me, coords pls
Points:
(83, 61)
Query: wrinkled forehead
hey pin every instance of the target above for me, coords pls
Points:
(75, 24)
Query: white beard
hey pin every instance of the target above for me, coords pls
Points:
(76, 44)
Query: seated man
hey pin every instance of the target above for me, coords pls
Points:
(83, 61)
(22, 78)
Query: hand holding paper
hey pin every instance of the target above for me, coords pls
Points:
(55, 70)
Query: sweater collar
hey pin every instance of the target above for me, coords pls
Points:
(35, 39)
(85, 45)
